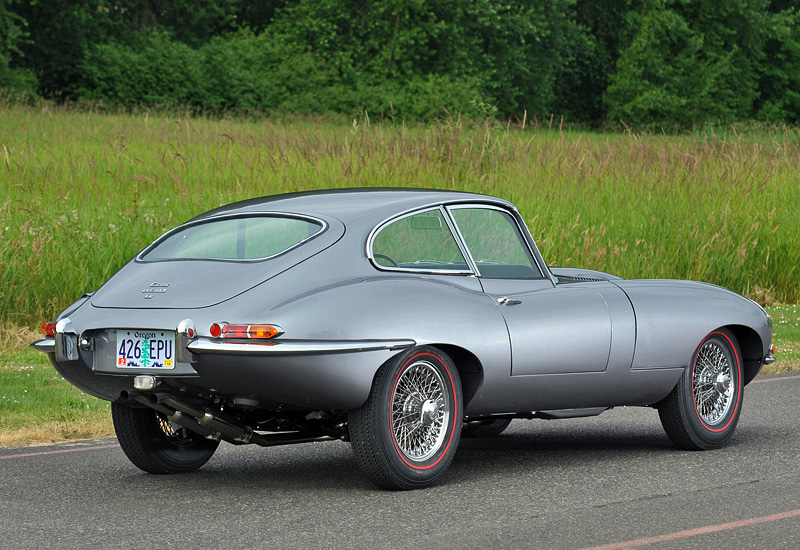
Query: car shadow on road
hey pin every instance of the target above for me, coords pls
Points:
(526, 448)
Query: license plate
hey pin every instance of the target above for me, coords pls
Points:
(145, 349)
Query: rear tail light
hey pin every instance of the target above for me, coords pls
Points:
(245, 331)
(49, 329)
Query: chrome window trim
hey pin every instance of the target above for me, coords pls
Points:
(322, 223)
(379, 227)
(523, 234)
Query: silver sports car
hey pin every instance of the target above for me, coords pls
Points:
(397, 320)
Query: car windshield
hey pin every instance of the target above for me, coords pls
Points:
(254, 237)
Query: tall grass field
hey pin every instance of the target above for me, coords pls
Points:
(81, 192)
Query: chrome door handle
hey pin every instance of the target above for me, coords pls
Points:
(505, 300)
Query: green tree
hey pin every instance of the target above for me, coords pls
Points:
(12, 36)
(688, 61)
(60, 34)
(581, 90)
(779, 79)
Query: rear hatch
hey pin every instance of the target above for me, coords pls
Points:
(200, 264)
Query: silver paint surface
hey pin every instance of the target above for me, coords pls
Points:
(575, 339)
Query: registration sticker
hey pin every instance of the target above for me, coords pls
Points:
(145, 349)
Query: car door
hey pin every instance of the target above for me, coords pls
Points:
(553, 329)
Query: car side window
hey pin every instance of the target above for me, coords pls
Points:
(495, 243)
(422, 241)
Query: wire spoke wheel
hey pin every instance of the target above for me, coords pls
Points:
(406, 433)
(703, 409)
(712, 382)
(420, 411)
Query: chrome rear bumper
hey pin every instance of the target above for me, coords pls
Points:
(45, 345)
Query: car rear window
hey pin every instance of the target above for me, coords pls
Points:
(234, 238)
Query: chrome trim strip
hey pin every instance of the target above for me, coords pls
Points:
(769, 359)
(45, 345)
(295, 347)
(460, 242)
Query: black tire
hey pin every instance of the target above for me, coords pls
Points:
(702, 411)
(154, 445)
(486, 428)
(406, 434)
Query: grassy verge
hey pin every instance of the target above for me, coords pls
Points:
(786, 336)
(89, 190)
(38, 406)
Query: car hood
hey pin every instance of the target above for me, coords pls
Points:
(190, 284)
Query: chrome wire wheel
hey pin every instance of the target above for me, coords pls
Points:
(406, 434)
(702, 410)
(420, 411)
(713, 385)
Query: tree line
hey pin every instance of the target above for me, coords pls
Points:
(599, 62)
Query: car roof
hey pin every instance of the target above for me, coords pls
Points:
(359, 205)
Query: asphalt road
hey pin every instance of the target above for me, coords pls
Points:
(610, 480)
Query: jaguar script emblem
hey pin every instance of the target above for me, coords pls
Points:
(154, 288)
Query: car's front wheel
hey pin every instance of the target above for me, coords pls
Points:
(157, 446)
(405, 435)
(703, 409)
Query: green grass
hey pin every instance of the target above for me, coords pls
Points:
(786, 336)
(82, 192)
(37, 405)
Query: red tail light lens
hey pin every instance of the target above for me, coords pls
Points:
(244, 331)
(49, 329)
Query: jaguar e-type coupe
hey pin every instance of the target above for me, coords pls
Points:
(396, 320)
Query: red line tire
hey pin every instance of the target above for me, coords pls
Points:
(703, 410)
(405, 435)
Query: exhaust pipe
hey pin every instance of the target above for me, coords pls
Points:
(216, 425)
(179, 418)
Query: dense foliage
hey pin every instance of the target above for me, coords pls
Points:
(677, 62)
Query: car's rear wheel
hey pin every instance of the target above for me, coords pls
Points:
(703, 409)
(486, 428)
(405, 435)
(157, 446)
